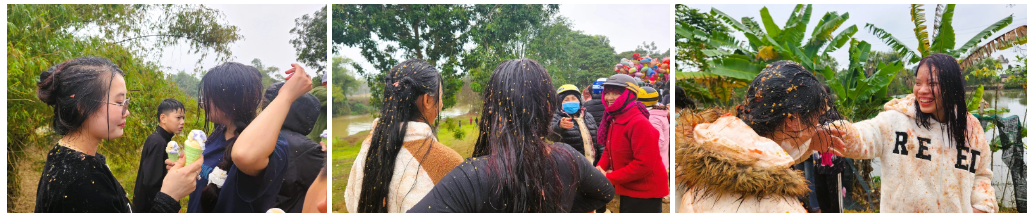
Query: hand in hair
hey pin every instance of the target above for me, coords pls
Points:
(181, 180)
(827, 140)
(256, 142)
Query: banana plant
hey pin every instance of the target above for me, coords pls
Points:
(780, 43)
(859, 95)
(943, 37)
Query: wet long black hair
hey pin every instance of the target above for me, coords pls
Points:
(76, 89)
(235, 90)
(517, 111)
(405, 82)
(786, 89)
(951, 92)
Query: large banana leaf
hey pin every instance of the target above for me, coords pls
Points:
(916, 14)
(1015, 36)
(736, 67)
(984, 34)
(771, 27)
(794, 29)
(907, 54)
(938, 19)
(841, 39)
(945, 36)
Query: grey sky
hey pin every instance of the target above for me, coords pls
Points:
(626, 26)
(968, 20)
(266, 32)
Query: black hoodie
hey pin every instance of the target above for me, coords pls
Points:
(306, 157)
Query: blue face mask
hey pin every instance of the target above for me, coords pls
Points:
(571, 107)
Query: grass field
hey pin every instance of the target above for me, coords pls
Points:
(345, 149)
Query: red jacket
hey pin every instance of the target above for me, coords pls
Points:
(636, 165)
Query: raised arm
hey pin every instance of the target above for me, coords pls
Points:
(258, 140)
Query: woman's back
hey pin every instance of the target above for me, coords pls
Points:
(419, 165)
(468, 189)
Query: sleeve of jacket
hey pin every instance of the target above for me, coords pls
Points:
(867, 139)
(645, 154)
(165, 204)
(556, 131)
(982, 197)
(596, 189)
(152, 166)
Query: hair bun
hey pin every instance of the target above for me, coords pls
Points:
(46, 87)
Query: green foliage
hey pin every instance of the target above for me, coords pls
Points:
(344, 85)
(943, 39)
(984, 72)
(859, 95)
(570, 56)
(450, 124)
(858, 87)
(269, 74)
(188, 83)
(974, 101)
(434, 33)
(310, 41)
(40, 36)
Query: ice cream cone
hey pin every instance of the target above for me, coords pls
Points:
(194, 145)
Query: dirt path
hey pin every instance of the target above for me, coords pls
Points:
(28, 169)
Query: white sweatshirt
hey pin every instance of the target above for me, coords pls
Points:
(921, 171)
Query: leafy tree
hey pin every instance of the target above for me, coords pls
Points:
(388, 34)
(570, 56)
(505, 32)
(943, 37)
(344, 83)
(187, 82)
(269, 74)
(40, 36)
(310, 41)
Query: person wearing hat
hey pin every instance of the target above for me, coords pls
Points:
(595, 106)
(575, 126)
(632, 161)
(659, 117)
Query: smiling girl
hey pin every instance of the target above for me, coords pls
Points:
(934, 157)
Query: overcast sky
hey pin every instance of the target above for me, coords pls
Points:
(968, 20)
(266, 32)
(626, 26)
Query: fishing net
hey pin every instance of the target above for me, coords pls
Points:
(1008, 129)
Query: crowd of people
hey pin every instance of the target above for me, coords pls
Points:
(538, 149)
(255, 159)
(933, 153)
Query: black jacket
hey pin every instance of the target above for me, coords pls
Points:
(76, 182)
(596, 108)
(152, 170)
(306, 157)
(470, 190)
(572, 136)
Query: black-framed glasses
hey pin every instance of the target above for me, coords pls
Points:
(124, 104)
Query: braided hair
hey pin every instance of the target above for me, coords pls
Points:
(405, 83)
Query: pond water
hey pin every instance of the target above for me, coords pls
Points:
(466, 101)
(349, 125)
(1016, 101)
